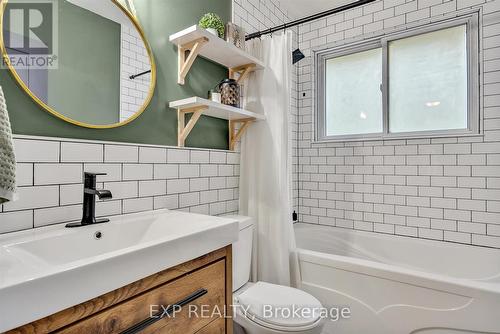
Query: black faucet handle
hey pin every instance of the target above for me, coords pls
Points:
(90, 179)
(94, 174)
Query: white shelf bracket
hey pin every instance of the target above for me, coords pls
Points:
(185, 62)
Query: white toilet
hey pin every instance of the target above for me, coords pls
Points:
(263, 308)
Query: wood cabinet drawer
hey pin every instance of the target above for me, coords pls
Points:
(125, 315)
(215, 327)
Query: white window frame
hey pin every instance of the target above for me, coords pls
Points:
(473, 87)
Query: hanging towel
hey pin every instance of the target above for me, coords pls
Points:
(7, 157)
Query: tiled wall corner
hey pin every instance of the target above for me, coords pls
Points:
(141, 178)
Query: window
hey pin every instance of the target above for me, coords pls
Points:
(433, 67)
(420, 83)
(354, 102)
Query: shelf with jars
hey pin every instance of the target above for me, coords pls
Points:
(225, 103)
(199, 106)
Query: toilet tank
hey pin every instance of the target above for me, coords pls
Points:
(242, 252)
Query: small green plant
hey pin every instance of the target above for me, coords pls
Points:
(211, 20)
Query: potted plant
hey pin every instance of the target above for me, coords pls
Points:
(213, 23)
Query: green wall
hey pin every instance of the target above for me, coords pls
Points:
(158, 124)
(95, 69)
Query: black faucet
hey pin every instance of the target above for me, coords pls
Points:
(89, 194)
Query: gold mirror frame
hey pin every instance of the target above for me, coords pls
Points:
(52, 111)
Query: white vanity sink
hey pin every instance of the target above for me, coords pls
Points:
(46, 270)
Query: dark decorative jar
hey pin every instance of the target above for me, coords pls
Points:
(230, 92)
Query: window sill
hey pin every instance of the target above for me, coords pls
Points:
(398, 137)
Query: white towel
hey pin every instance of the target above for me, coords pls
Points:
(7, 157)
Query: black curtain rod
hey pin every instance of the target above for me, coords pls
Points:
(308, 18)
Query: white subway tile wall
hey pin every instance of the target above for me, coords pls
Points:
(141, 178)
(257, 15)
(134, 60)
(439, 188)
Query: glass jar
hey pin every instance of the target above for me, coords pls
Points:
(230, 92)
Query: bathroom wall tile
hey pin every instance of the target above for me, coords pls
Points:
(34, 197)
(217, 157)
(152, 155)
(113, 171)
(24, 174)
(233, 205)
(217, 183)
(383, 228)
(166, 171)
(108, 208)
(57, 215)
(200, 157)
(226, 170)
(208, 170)
(460, 237)
(71, 194)
(232, 182)
(120, 190)
(36, 150)
(16, 221)
(484, 240)
(233, 158)
(166, 202)
(81, 152)
(200, 209)
(190, 170)
(406, 231)
(493, 229)
(152, 188)
(177, 156)
(430, 234)
(46, 174)
(225, 194)
(198, 184)
(363, 226)
(217, 208)
(177, 186)
(189, 199)
(121, 153)
(468, 227)
(137, 204)
(210, 196)
(137, 172)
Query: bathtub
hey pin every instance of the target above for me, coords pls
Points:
(400, 285)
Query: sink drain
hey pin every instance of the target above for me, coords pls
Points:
(98, 235)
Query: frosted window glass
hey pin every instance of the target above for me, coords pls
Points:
(428, 81)
(353, 96)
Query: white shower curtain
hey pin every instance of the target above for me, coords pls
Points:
(266, 163)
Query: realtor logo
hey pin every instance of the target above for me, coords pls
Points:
(30, 34)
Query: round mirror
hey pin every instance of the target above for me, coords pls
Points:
(84, 61)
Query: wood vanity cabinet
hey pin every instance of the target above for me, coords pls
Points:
(204, 282)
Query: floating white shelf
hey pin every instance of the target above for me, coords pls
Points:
(216, 49)
(199, 106)
(200, 42)
(215, 109)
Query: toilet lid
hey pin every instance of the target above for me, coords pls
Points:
(279, 305)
